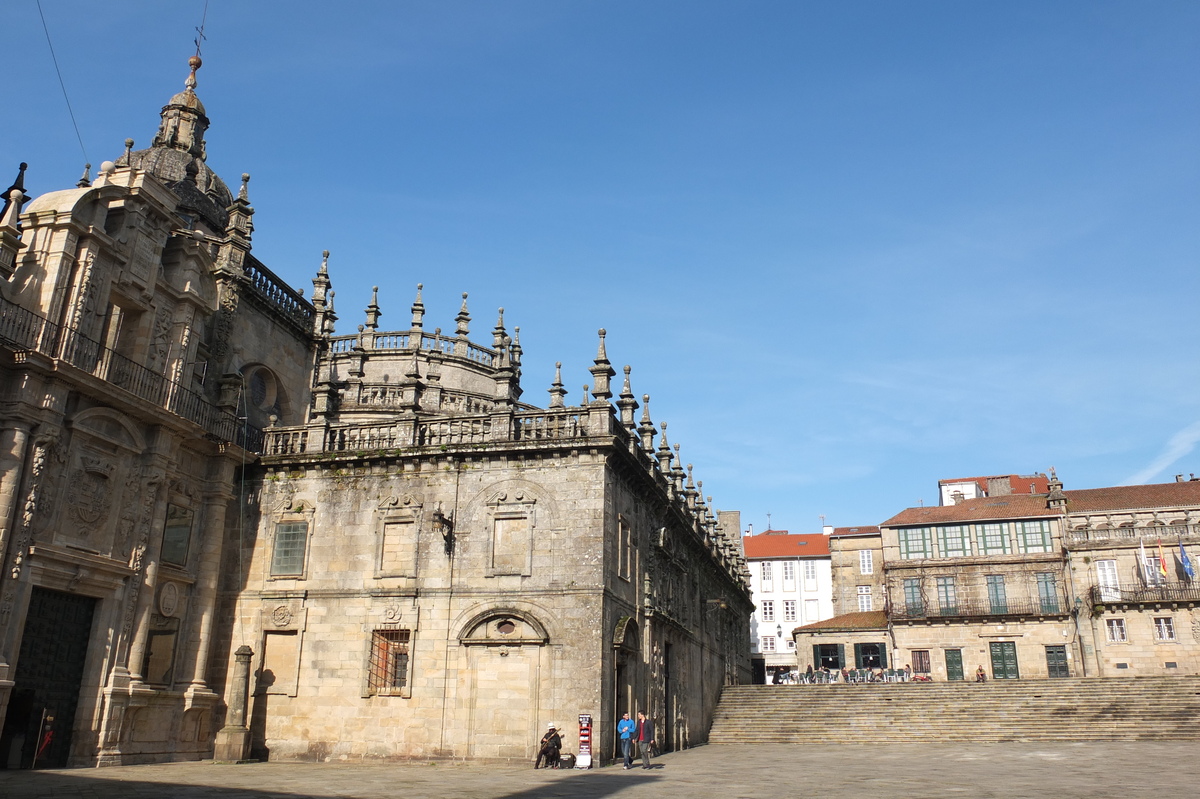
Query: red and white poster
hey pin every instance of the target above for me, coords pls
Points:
(584, 760)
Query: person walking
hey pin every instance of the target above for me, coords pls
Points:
(625, 728)
(645, 737)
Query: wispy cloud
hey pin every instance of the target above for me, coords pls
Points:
(1180, 444)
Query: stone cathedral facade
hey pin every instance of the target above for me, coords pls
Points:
(224, 525)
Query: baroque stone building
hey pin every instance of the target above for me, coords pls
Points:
(410, 561)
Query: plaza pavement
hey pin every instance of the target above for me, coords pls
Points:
(1164, 770)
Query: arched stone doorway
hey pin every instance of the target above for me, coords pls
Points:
(504, 659)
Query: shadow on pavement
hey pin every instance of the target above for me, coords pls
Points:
(85, 783)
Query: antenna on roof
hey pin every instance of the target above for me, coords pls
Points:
(768, 521)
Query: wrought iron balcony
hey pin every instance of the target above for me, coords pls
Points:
(25, 331)
(1146, 595)
(975, 609)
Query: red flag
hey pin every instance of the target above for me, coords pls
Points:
(1162, 560)
(47, 737)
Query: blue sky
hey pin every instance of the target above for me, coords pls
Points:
(849, 249)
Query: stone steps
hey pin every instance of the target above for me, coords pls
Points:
(1114, 709)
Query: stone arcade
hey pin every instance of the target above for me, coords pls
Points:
(408, 562)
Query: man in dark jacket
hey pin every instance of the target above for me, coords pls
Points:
(645, 737)
(550, 747)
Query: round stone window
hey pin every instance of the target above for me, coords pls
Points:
(506, 627)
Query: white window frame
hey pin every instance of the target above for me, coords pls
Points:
(789, 610)
(812, 610)
(768, 643)
(866, 561)
(789, 575)
(1108, 580)
(1115, 631)
(1164, 628)
(768, 610)
(767, 574)
(865, 601)
(810, 571)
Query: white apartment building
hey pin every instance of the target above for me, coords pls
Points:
(791, 583)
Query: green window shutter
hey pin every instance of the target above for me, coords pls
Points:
(841, 656)
(858, 656)
(816, 656)
(883, 664)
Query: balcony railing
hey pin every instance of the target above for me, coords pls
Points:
(25, 330)
(963, 609)
(1133, 534)
(1150, 594)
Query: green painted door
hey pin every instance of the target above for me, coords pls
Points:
(1056, 661)
(1004, 660)
(954, 669)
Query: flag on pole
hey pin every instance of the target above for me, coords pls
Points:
(1186, 562)
(1142, 562)
(1162, 560)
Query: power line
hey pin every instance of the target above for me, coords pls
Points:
(54, 58)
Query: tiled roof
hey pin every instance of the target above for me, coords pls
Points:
(864, 620)
(1026, 506)
(1017, 482)
(862, 529)
(777, 545)
(1157, 495)
(1011, 506)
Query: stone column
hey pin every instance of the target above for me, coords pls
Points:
(204, 600)
(233, 740)
(13, 446)
(150, 544)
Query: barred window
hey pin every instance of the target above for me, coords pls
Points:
(387, 672)
(288, 555)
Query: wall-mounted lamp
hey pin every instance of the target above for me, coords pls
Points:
(779, 630)
(445, 525)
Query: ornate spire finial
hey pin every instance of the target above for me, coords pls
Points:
(557, 391)
(602, 371)
(418, 313)
(498, 332)
(515, 350)
(627, 403)
(463, 319)
(86, 179)
(646, 427)
(373, 312)
(8, 197)
(243, 192)
(195, 63)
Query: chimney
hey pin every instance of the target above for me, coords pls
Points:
(957, 497)
(827, 529)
